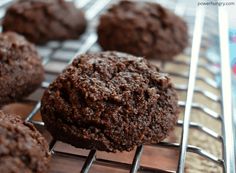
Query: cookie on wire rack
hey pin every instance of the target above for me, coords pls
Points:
(110, 101)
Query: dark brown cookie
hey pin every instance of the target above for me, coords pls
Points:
(43, 20)
(22, 148)
(21, 71)
(142, 29)
(110, 101)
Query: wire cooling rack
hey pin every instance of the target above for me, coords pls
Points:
(207, 28)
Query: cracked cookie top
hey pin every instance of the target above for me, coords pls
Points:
(113, 99)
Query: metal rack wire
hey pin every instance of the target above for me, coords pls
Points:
(63, 53)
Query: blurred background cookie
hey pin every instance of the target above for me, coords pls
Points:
(142, 29)
(43, 20)
(21, 70)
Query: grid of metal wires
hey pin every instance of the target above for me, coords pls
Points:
(63, 52)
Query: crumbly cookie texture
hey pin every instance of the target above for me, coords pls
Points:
(110, 101)
(22, 148)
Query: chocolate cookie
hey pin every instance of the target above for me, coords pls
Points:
(142, 29)
(43, 20)
(110, 101)
(22, 148)
(21, 71)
